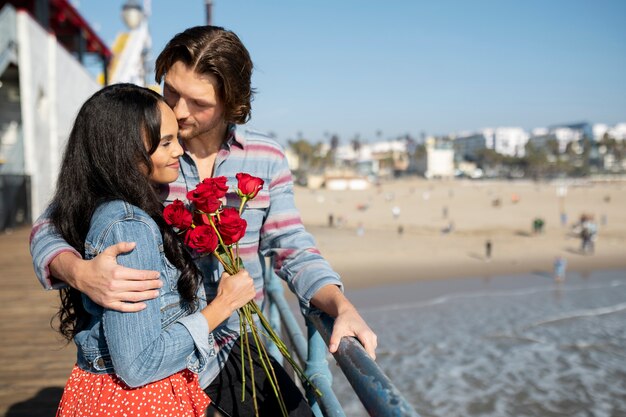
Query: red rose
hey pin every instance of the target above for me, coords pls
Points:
(247, 185)
(206, 196)
(231, 226)
(202, 238)
(177, 215)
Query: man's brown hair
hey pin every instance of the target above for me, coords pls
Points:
(217, 51)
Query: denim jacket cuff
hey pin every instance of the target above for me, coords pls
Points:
(198, 327)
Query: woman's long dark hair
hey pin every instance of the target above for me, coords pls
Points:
(106, 159)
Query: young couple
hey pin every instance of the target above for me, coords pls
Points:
(157, 331)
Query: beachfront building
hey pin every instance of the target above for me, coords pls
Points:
(376, 159)
(510, 141)
(562, 134)
(599, 130)
(437, 160)
(43, 82)
(617, 132)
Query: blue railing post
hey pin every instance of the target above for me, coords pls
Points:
(275, 290)
(375, 390)
(319, 374)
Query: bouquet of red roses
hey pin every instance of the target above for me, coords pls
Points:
(210, 228)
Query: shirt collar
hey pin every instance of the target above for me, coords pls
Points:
(233, 137)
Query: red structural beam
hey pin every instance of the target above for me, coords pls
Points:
(65, 22)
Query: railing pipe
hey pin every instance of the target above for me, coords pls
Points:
(376, 392)
(318, 372)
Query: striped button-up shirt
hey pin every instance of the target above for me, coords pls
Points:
(274, 229)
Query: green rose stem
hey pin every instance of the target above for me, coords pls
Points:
(271, 334)
(246, 348)
(244, 200)
(265, 362)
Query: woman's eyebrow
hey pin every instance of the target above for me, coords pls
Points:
(167, 137)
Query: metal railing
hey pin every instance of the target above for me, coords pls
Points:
(375, 390)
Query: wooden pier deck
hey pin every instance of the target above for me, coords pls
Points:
(34, 360)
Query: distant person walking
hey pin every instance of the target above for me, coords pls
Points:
(588, 232)
(395, 211)
(488, 248)
(560, 265)
(538, 224)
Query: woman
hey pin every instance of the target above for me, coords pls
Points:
(123, 144)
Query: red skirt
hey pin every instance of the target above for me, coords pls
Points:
(90, 395)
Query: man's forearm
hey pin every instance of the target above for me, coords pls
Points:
(331, 300)
(64, 268)
(46, 244)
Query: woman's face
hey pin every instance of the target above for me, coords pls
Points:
(165, 164)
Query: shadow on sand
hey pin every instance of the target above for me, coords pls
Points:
(477, 256)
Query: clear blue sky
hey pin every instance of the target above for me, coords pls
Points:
(406, 66)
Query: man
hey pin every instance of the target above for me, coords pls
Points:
(207, 82)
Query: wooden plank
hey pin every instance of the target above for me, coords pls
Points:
(35, 361)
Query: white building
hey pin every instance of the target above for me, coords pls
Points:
(617, 132)
(377, 158)
(437, 161)
(562, 134)
(43, 84)
(510, 141)
(599, 130)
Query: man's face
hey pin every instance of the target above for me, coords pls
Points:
(195, 101)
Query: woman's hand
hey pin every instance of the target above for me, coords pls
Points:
(233, 292)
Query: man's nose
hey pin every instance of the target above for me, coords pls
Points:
(181, 111)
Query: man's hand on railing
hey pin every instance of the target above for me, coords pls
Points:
(348, 321)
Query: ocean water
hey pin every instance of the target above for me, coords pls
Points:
(507, 346)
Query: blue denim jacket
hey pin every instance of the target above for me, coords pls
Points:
(164, 338)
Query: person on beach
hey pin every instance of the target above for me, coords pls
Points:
(560, 265)
(588, 232)
(488, 247)
(145, 361)
(207, 83)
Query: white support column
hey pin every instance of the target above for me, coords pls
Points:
(27, 102)
(55, 151)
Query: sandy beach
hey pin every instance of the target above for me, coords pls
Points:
(378, 254)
